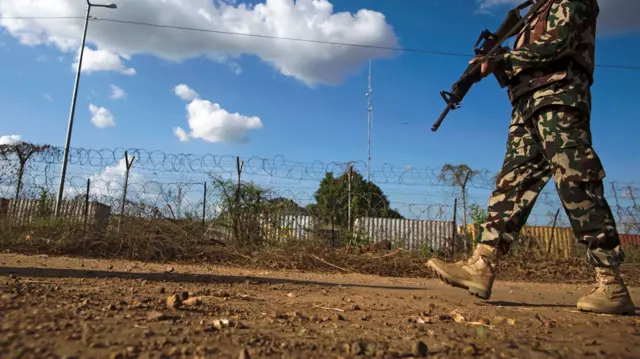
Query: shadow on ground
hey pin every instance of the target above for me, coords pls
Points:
(177, 277)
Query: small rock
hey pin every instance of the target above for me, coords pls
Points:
(244, 354)
(356, 348)
(155, 315)
(222, 323)
(469, 350)
(170, 269)
(419, 349)
(548, 324)
(426, 320)
(173, 301)
(193, 301)
(457, 317)
(370, 349)
(346, 348)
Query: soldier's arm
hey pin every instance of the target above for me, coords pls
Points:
(568, 22)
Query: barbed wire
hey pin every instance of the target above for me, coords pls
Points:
(157, 179)
(160, 162)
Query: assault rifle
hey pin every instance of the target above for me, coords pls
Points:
(488, 44)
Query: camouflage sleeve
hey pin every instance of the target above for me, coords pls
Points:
(567, 22)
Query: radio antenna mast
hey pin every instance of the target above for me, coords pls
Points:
(369, 118)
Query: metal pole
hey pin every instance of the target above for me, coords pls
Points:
(349, 195)
(369, 115)
(72, 112)
(204, 209)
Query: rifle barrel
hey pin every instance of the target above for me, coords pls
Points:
(444, 113)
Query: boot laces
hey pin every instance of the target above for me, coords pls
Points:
(604, 278)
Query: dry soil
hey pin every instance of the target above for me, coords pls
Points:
(61, 307)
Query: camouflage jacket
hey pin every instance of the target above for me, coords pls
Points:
(552, 61)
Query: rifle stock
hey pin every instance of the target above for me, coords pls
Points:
(488, 44)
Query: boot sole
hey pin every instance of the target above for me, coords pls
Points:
(590, 309)
(473, 289)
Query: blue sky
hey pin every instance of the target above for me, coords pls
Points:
(323, 122)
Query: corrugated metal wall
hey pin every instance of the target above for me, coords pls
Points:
(563, 245)
(24, 211)
(279, 228)
(406, 233)
(289, 228)
(630, 239)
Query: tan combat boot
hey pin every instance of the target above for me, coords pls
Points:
(476, 274)
(610, 296)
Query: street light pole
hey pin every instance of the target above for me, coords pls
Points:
(73, 105)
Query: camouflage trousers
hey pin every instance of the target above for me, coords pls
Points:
(554, 142)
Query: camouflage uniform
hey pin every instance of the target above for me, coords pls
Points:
(550, 73)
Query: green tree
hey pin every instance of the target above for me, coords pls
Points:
(333, 194)
(248, 207)
(285, 206)
(14, 161)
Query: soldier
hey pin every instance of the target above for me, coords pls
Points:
(550, 74)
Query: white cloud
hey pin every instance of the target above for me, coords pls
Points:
(311, 63)
(9, 139)
(616, 16)
(184, 92)
(208, 121)
(47, 97)
(117, 93)
(101, 60)
(182, 135)
(235, 67)
(110, 181)
(101, 117)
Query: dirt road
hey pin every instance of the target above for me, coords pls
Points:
(53, 307)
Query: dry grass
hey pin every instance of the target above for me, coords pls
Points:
(171, 241)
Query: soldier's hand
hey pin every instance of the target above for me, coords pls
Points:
(487, 66)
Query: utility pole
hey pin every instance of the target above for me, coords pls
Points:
(74, 97)
(369, 118)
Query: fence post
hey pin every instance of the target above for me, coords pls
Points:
(236, 214)
(455, 229)
(350, 171)
(126, 184)
(204, 209)
(86, 203)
